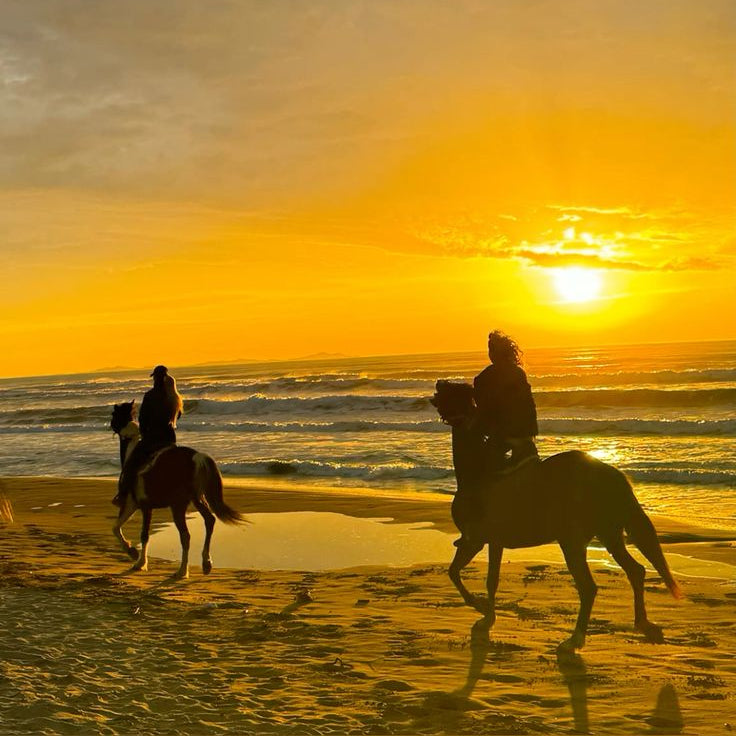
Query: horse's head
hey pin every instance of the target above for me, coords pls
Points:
(122, 415)
(454, 401)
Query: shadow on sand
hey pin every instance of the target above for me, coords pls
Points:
(666, 717)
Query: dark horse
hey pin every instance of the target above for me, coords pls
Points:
(568, 498)
(174, 477)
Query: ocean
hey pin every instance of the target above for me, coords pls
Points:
(662, 413)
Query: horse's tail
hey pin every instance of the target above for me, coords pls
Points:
(642, 533)
(209, 482)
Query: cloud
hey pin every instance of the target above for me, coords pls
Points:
(611, 238)
(693, 263)
(586, 260)
(573, 213)
(252, 101)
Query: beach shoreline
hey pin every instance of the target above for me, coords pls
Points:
(363, 650)
(84, 503)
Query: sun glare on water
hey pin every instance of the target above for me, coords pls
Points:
(577, 284)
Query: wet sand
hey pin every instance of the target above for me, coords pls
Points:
(91, 648)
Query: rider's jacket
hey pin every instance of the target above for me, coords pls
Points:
(505, 402)
(156, 418)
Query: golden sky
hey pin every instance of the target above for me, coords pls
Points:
(189, 181)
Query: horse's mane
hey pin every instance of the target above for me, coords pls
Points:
(453, 400)
(122, 415)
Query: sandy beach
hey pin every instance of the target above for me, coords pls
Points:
(91, 648)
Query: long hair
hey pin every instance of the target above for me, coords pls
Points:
(504, 350)
(175, 400)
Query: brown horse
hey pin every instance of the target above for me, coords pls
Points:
(568, 498)
(173, 478)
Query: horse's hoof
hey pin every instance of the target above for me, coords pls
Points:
(565, 647)
(480, 630)
(139, 568)
(652, 633)
(207, 567)
(181, 575)
(482, 605)
(576, 641)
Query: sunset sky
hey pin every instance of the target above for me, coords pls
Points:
(191, 181)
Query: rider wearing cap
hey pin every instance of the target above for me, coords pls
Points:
(158, 413)
(160, 408)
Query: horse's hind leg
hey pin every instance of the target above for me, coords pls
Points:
(466, 550)
(180, 519)
(209, 526)
(635, 573)
(577, 563)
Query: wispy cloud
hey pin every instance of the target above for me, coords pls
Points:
(615, 238)
(587, 260)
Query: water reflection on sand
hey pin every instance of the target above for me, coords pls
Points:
(310, 540)
(316, 540)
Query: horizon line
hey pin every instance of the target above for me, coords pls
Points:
(315, 357)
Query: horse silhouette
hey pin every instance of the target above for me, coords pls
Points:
(569, 498)
(172, 478)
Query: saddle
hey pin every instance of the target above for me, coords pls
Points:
(140, 484)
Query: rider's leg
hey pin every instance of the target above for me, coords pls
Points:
(522, 448)
(495, 452)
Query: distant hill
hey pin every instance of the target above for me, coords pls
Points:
(245, 361)
(234, 361)
(114, 369)
(322, 356)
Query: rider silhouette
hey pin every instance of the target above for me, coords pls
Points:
(160, 408)
(507, 415)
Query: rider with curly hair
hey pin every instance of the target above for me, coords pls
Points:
(507, 415)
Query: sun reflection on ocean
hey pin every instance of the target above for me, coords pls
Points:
(607, 452)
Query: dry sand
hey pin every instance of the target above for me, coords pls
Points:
(88, 648)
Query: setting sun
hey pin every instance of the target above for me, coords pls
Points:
(436, 298)
(577, 284)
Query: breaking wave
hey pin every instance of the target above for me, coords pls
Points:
(313, 468)
(229, 418)
(414, 471)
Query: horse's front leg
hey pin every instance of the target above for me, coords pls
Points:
(142, 562)
(495, 553)
(575, 552)
(180, 519)
(466, 551)
(126, 511)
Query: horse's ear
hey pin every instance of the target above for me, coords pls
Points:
(132, 403)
